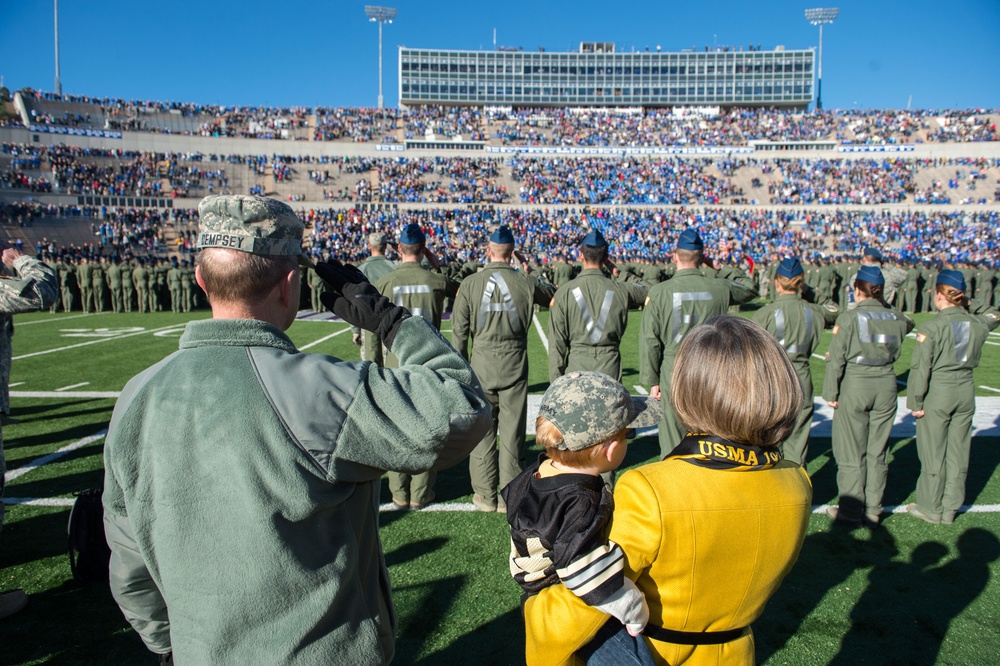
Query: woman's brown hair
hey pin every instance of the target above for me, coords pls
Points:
(732, 379)
(954, 296)
(870, 290)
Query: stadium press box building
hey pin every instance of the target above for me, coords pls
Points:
(596, 75)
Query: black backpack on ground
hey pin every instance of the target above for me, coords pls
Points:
(89, 554)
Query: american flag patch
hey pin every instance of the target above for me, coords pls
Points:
(921, 337)
(836, 329)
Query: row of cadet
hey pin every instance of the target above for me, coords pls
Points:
(588, 316)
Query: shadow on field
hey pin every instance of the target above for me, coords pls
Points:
(29, 412)
(827, 559)
(74, 625)
(499, 642)
(924, 599)
(38, 537)
(76, 432)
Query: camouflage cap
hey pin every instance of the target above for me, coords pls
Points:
(378, 239)
(590, 407)
(249, 224)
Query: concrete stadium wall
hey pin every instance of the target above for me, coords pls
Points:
(174, 143)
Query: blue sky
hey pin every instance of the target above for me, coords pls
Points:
(877, 54)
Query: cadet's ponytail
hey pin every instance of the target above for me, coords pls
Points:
(871, 291)
(954, 296)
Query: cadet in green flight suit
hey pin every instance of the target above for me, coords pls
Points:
(422, 292)
(860, 385)
(675, 307)
(929, 273)
(99, 287)
(140, 276)
(493, 309)
(128, 286)
(588, 315)
(114, 277)
(797, 325)
(910, 289)
(375, 267)
(83, 279)
(941, 396)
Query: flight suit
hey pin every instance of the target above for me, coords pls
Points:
(984, 285)
(910, 290)
(374, 268)
(587, 319)
(859, 376)
(187, 288)
(128, 286)
(114, 277)
(672, 309)
(930, 274)
(423, 293)
(99, 286)
(141, 278)
(493, 310)
(940, 383)
(83, 280)
(798, 326)
(562, 272)
(826, 284)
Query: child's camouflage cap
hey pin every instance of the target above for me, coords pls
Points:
(249, 224)
(590, 407)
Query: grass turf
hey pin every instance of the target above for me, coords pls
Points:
(909, 593)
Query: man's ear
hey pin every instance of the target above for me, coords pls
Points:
(286, 285)
(198, 278)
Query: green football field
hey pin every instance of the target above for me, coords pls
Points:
(907, 593)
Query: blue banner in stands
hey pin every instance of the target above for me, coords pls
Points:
(76, 131)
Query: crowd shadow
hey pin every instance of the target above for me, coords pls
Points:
(498, 642)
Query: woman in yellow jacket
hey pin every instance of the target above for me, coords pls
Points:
(710, 531)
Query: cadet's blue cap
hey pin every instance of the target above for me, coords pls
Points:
(790, 267)
(502, 236)
(412, 234)
(873, 252)
(952, 278)
(871, 275)
(690, 240)
(594, 239)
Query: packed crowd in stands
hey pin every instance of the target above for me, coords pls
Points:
(537, 126)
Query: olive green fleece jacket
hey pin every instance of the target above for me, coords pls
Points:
(242, 488)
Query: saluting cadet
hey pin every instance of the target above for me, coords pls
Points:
(984, 283)
(675, 307)
(375, 267)
(422, 292)
(174, 284)
(894, 277)
(860, 385)
(494, 308)
(588, 315)
(941, 396)
(797, 325)
(826, 287)
(187, 286)
(315, 289)
(562, 271)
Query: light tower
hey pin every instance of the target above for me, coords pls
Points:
(380, 15)
(56, 16)
(819, 16)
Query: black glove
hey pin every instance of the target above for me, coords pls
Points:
(353, 298)
(166, 659)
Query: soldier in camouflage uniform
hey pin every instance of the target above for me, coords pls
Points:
(675, 307)
(423, 293)
(797, 324)
(588, 315)
(941, 395)
(34, 286)
(561, 271)
(860, 385)
(893, 275)
(493, 310)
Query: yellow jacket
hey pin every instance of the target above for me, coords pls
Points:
(707, 547)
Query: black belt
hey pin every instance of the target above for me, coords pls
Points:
(692, 637)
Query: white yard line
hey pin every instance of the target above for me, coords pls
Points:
(53, 319)
(94, 342)
(541, 333)
(990, 388)
(67, 394)
(323, 339)
(10, 386)
(995, 344)
(72, 386)
(640, 390)
(44, 460)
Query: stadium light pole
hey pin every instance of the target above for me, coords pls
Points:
(380, 15)
(58, 83)
(819, 16)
